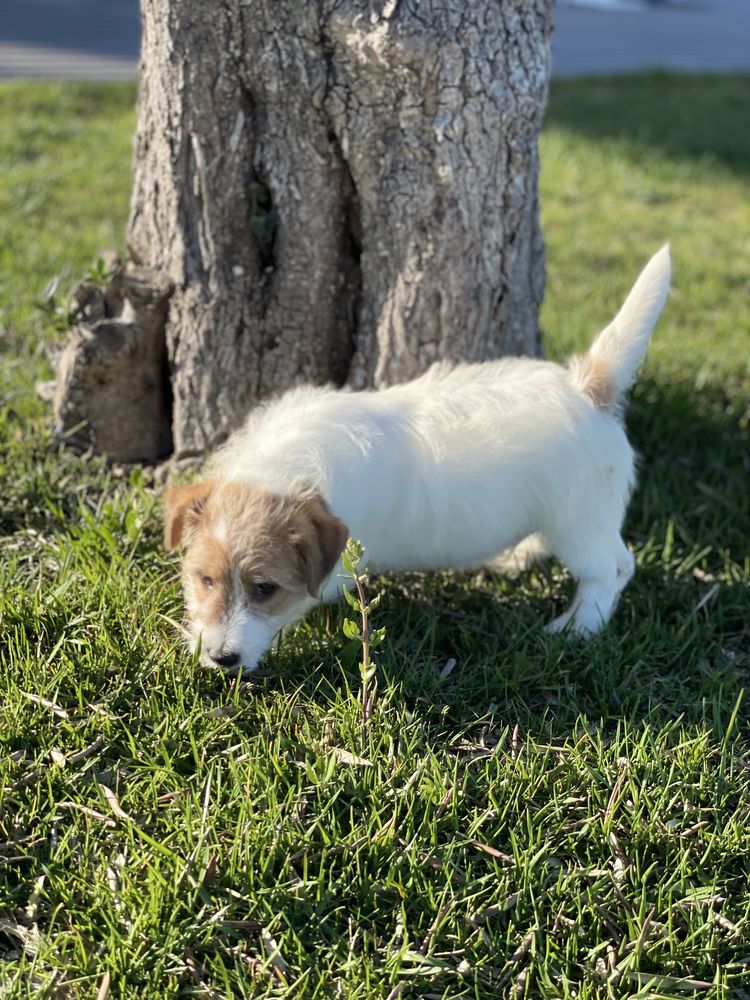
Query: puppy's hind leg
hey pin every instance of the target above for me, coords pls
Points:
(602, 566)
(518, 558)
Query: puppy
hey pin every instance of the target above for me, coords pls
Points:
(445, 472)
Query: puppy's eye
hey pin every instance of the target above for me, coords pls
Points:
(262, 591)
(207, 581)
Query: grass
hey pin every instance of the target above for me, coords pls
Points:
(546, 819)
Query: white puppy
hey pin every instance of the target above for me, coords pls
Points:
(444, 472)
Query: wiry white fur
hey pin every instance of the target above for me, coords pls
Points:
(450, 470)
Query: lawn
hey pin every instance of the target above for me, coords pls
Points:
(525, 815)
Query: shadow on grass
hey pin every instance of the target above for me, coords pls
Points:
(681, 115)
(694, 463)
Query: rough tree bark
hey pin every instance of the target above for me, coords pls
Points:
(337, 190)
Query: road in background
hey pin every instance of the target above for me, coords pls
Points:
(694, 35)
(70, 39)
(99, 39)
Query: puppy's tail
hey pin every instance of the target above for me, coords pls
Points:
(609, 368)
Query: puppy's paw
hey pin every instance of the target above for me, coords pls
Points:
(559, 624)
(570, 623)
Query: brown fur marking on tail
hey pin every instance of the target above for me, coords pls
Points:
(593, 379)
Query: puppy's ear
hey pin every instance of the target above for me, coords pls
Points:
(183, 507)
(321, 544)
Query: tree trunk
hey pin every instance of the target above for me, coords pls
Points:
(339, 191)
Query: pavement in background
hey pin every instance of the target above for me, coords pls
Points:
(99, 39)
(695, 35)
(70, 39)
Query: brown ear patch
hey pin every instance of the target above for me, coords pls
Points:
(320, 542)
(183, 506)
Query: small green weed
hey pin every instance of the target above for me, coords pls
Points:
(362, 633)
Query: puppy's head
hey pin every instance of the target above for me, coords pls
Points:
(253, 562)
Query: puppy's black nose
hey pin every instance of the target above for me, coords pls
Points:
(227, 659)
